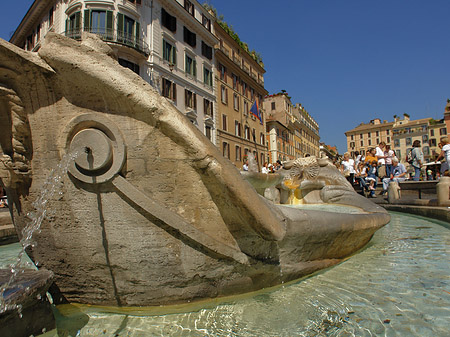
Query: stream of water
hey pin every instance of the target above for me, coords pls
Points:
(399, 285)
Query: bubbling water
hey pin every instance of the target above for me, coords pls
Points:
(51, 187)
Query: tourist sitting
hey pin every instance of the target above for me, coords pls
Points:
(371, 179)
(444, 156)
(398, 174)
(265, 169)
(360, 176)
(348, 168)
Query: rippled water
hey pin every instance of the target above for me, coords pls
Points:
(399, 285)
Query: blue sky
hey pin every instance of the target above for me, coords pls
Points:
(346, 61)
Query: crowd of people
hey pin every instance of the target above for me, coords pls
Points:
(380, 165)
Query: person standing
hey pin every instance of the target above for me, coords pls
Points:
(445, 156)
(348, 168)
(417, 162)
(381, 159)
(389, 155)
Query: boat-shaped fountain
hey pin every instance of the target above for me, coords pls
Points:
(150, 213)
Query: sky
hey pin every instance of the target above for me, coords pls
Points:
(345, 61)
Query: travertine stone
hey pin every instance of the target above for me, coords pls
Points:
(150, 212)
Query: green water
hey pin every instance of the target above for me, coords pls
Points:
(399, 285)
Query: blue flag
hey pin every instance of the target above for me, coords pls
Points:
(255, 111)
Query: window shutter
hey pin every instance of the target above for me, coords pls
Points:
(174, 55)
(120, 22)
(78, 21)
(174, 95)
(173, 23)
(138, 31)
(87, 20)
(186, 98)
(194, 64)
(109, 24)
(195, 101)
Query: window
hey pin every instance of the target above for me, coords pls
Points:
(224, 122)
(206, 22)
(169, 89)
(273, 105)
(425, 139)
(368, 134)
(442, 131)
(208, 132)
(190, 99)
(377, 134)
(129, 65)
(245, 108)
(370, 142)
(50, 17)
(244, 88)
(237, 128)
(207, 107)
(236, 102)
(190, 65)
(426, 150)
(432, 133)
(408, 141)
(30, 42)
(127, 29)
(432, 142)
(378, 141)
(351, 137)
(254, 135)
(252, 94)
(168, 21)
(207, 76)
(247, 132)
(223, 72)
(388, 139)
(169, 53)
(224, 94)
(73, 25)
(226, 150)
(206, 51)
(189, 7)
(235, 82)
(398, 154)
(99, 22)
(38, 32)
(261, 138)
(238, 153)
(387, 132)
(396, 142)
(189, 37)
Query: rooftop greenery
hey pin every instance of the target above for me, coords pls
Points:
(230, 31)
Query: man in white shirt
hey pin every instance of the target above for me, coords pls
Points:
(398, 174)
(381, 162)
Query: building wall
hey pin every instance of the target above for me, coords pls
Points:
(369, 135)
(292, 130)
(142, 49)
(239, 82)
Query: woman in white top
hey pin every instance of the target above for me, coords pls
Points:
(389, 155)
(348, 168)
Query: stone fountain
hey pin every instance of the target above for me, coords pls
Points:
(150, 212)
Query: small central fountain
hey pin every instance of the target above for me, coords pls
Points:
(150, 212)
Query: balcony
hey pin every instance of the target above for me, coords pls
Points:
(113, 36)
(225, 51)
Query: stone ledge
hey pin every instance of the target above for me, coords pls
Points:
(439, 213)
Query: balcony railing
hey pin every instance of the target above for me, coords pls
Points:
(114, 36)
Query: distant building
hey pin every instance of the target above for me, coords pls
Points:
(291, 131)
(368, 135)
(239, 83)
(169, 43)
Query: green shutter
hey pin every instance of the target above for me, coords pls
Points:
(109, 25)
(120, 28)
(87, 20)
(138, 30)
(78, 21)
(174, 55)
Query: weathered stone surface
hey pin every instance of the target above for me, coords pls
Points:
(151, 213)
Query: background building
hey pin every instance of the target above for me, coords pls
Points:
(291, 131)
(239, 83)
(368, 135)
(169, 43)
